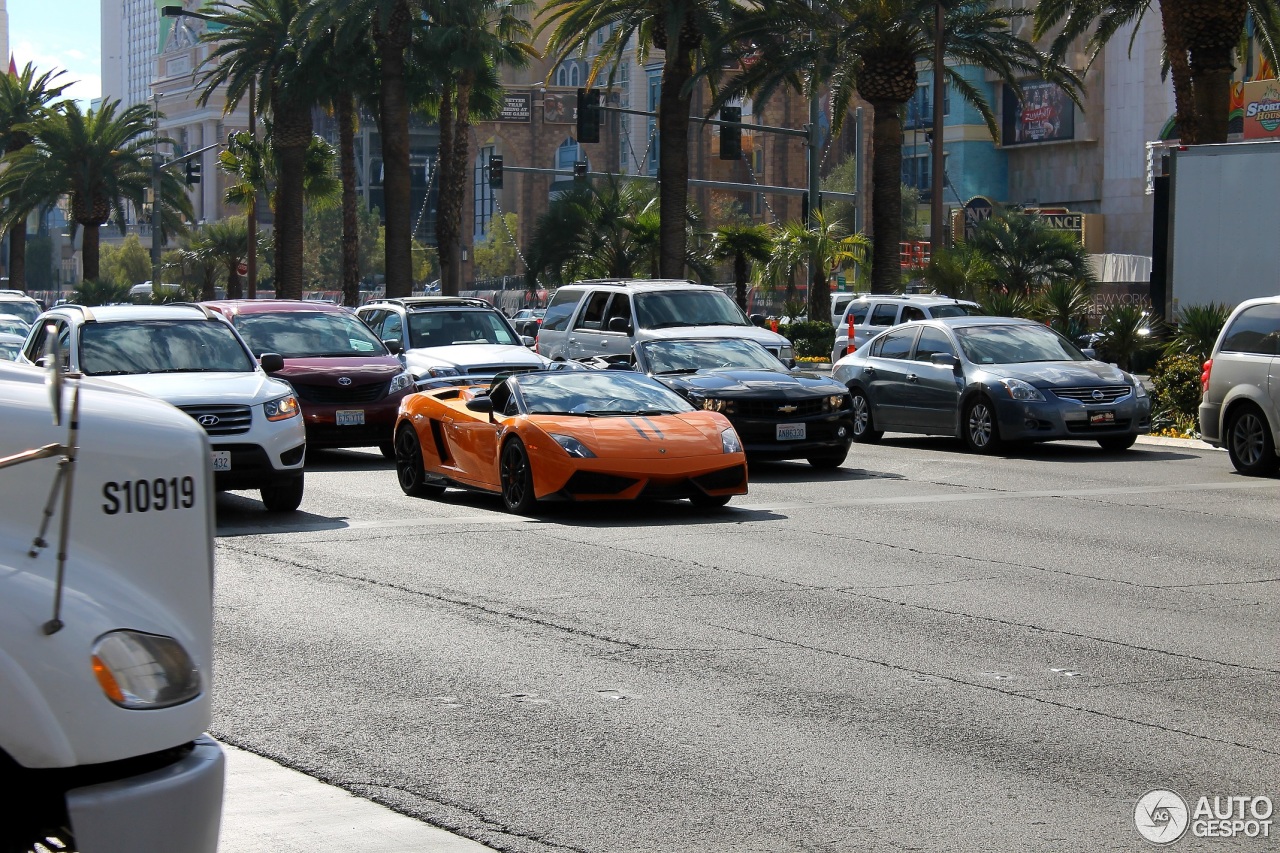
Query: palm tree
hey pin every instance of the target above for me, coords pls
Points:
(1126, 333)
(1198, 329)
(465, 44)
(959, 272)
(871, 47)
(100, 160)
(744, 245)
(824, 247)
(24, 100)
(263, 40)
(1200, 39)
(1026, 256)
(682, 29)
(225, 242)
(1064, 305)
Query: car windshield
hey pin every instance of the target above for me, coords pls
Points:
(308, 334)
(9, 350)
(161, 346)
(439, 328)
(666, 309)
(956, 310)
(1015, 344)
(14, 325)
(671, 357)
(602, 394)
(28, 311)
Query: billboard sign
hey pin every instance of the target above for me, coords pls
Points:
(1045, 114)
(1262, 109)
(560, 107)
(515, 107)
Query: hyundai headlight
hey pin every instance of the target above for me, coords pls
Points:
(715, 404)
(142, 671)
(1024, 392)
(400, 382)
(573, 447)
(442, 372)
(729, 441)
(282, 409)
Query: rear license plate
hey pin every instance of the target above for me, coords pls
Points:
(1101, 418)
(791, 432)
(351, 417)
(221, 460)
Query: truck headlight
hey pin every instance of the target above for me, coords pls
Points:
(442, 372)
(573, 447)
(786, 353)
(400, 382)
(282, 409)
(729, 441)
(141, 671)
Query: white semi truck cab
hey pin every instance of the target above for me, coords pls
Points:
(106, 608)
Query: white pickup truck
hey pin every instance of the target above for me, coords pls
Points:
(106, 576)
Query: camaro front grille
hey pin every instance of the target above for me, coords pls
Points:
(1099, 394)
(330, 395)
(779, 409)
(221, 420)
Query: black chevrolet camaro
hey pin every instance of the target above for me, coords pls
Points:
(778, 413)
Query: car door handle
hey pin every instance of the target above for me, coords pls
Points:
(869, 371)
(911, 377)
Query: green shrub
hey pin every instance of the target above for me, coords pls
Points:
(810, 338)
(1175, 395)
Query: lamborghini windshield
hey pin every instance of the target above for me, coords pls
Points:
(602, 394)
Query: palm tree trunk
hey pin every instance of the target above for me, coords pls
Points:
(90, 251)
(18, 255)
(886, 195)
(293, 133)
(740, 279)
(397, 194)
(447, 223)
(819, 293)
(673, 160)
(233, 284)
(1180, 71)
(346, 115)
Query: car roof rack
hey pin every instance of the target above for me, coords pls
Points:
(435, 302)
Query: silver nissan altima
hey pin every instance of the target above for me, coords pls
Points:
(990, 380)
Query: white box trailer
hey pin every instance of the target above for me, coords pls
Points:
(1223, 241)
(106, 582)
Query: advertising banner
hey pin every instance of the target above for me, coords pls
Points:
(560, 107)
(1262, 109)
(1045, 114)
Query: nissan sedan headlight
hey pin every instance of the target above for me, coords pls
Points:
(729, 441)
(1138, 389)
(715, 404)
(573, 446)
(400, 382)
(282, 409)
(442, 372)
(1024, 392)
(141, 671)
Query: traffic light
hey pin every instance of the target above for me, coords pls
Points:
(580, 169)
(731, 136)
(193, 172)
(588, 115)
(495, 171)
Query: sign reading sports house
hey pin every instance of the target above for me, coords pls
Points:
(1262, 109)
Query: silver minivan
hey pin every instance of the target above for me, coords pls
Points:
(1240, 406)
(608, 316)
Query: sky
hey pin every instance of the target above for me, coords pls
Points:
(68, 38)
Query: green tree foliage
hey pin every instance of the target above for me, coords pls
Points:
(1126, 335)
(960, 272)
(1026, 256)
(744, 246)
(126, 263)
(1198, 329)
(823, 249)
(92, 292)
(322, 231)
(1175, 394)
(1064, 305)
(496, 254)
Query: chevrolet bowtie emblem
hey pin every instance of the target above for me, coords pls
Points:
(786, 410)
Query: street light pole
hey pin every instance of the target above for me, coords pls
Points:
(155, 193)
(937, 228)
(251, 218)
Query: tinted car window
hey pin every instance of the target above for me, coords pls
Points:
(932, 341)
(298, 334)
(560, 311)
(620, 307)
(161, 346)
(884, 315)
(667, 309)
(392, 328)
(28, 311)
(858, 313)
(1256, 330)
(897, 344)
(955, 311)
(910, 313)
(593, 315)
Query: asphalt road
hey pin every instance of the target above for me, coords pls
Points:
(924, 650)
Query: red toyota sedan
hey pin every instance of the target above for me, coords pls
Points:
(347, 380)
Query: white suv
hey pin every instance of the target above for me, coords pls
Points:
(872, 314)
(1240, 407)
(609, 316)
(192, 358)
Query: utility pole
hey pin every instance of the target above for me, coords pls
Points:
(155, 192)
(937, 228)
(251, 218)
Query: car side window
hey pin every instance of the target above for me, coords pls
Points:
(393, 329)
(560, 311)
(373, 319)
(35, 345)
(1256, 330)
(858, 313)
(911, 312)
(932, 341)
(897, 344)
(885, 314)
(592, 318)
(620, 306)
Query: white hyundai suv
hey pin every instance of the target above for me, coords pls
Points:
(192, 358)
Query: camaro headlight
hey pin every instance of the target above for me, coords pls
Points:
(400, 382)
(1023, 391)
(441, 372)
(729, 441)
(714, 404)
(836, 402)
(573, 447)
(282, 409)
(140, 671)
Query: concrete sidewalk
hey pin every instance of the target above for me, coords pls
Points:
(269, 808)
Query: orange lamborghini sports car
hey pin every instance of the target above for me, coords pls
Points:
(567, 435)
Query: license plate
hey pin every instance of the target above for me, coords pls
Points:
(351, 417)
(222, 460)
(791, 432)
(1101, 418)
